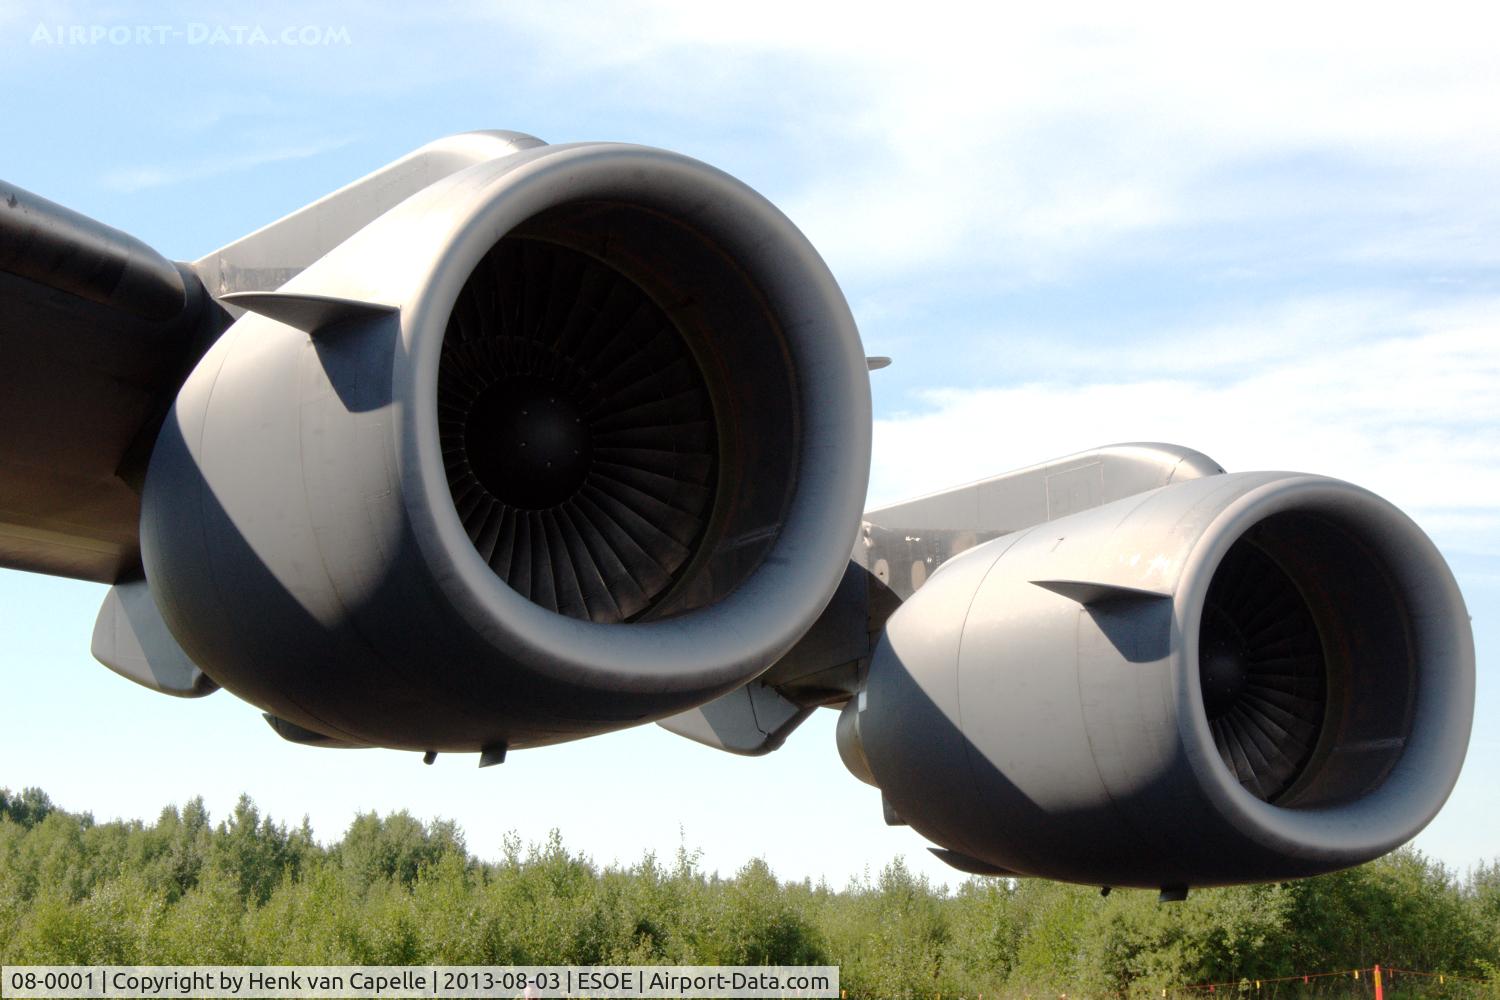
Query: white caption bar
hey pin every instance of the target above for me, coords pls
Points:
(273, 982)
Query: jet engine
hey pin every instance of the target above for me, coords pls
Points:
(508, 444)
(1239, 678)
(568, 440)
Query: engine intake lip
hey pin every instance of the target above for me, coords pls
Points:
(710, 648)
(1413, 739)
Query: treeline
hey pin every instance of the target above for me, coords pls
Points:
(396, 891)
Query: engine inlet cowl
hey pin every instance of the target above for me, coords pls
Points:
(1240, 678)
(593, 450)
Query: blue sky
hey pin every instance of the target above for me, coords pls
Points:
(1269, 233)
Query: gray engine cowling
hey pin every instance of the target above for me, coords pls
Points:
(1241, 678)
(569, 440)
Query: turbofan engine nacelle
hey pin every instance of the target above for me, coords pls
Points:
(570, 439)
(1240, 678)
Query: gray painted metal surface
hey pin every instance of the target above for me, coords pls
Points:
(329, 555)
(507, 444)
(904, 543)
(749, 721)
(57, 247)
(274, 254)
(899, 546)
(96, 333)
(1062, 731)
(131, 639)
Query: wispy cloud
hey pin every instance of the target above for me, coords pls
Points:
(1028, 141)
(1020, 147)
(1409, 412)
(138, 178)
(1229, 342)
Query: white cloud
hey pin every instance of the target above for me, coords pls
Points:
(1021, 144)
(1030, 139)
(1407, 409)
(129, 179)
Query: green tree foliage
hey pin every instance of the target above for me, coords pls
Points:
(395, 890)
(28, 808)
